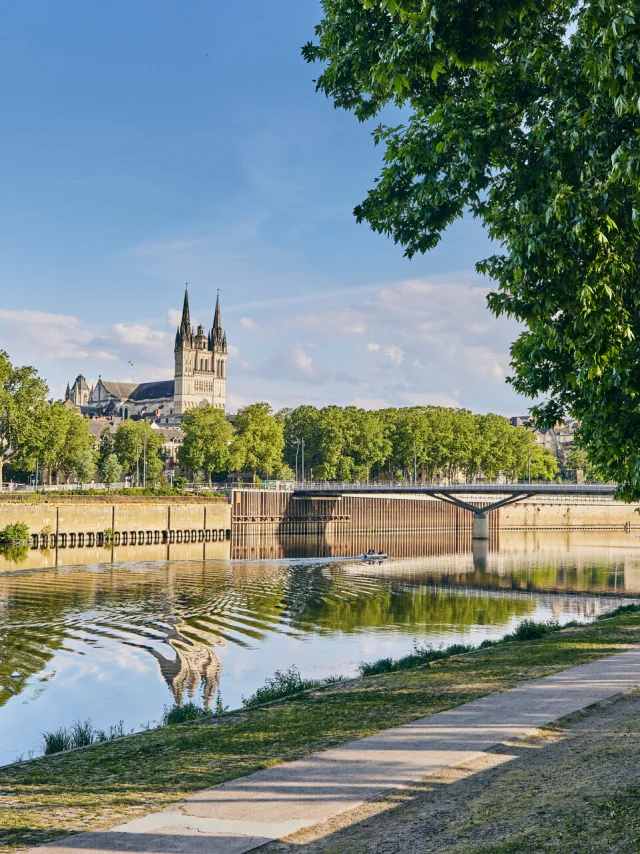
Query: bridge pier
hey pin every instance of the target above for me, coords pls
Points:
(480, 526)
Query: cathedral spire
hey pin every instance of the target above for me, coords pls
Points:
(216, 336)
(186, 318)
(217, 322)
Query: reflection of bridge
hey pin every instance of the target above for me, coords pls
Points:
(509, 492)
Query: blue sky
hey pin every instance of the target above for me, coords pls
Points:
(151, 143)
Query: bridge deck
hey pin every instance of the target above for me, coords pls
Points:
(524, 489)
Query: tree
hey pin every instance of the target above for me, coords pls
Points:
(76, 455)
(527, 114)
(111, 470)
(542, 465)
(106, 449)
(259, 439)
(135, 441)
(22, 399)
(207, 441)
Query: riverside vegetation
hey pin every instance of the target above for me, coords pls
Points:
(112, 781)
(344, 443)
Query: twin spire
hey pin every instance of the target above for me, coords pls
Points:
(216, 339)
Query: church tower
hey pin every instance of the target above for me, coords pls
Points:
(200, 364)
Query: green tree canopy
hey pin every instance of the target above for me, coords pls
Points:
(111, 470)
(22, 400)
(106, 449)
(75, 456)
(207, 441)
(129, 447)
(259, 439)
(525, 113)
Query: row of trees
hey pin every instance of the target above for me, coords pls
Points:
(350, 443)
(339, 443)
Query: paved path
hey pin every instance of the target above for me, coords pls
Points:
(250, 811)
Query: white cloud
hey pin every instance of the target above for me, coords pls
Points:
(372, 348)
(56, 336)
(345, 321)
(394, 354)
(431, 399)
(247, 323)
(139, 335)
(174, 317)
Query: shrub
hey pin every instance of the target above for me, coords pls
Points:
(284, 683)
(179, 714)
(16, 532)
(530, 630)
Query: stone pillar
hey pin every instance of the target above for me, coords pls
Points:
(480, 526)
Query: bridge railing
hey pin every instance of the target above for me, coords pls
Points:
(426, 486)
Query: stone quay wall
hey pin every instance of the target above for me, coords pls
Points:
(87, 521)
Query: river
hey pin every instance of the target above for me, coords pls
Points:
(120, 640)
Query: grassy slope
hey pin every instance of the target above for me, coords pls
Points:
(42, 800)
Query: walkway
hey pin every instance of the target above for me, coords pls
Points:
(245, 813)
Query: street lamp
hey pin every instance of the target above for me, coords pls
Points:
(299, 443)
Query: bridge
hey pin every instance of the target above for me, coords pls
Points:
(505, 493)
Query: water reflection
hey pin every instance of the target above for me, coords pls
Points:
(118, 640)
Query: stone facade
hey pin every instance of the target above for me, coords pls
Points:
(200, 379)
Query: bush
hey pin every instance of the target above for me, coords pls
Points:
(179, 714)
(530, 630)
(284, 683)
(16, 532)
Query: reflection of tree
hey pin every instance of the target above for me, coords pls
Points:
(336, 606)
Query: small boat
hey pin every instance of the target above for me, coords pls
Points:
(373, 556)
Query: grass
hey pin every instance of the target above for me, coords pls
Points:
(113, 781)
(79, 734)
(422, 655)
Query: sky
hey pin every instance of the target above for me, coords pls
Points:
(152, 143)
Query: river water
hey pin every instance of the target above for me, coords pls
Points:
(120, 640)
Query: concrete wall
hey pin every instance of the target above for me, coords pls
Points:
(549, 513)
(78, 517)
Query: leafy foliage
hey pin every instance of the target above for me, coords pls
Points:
(22, 400)
(111, 469)
(133, 442)
(16, 532)
(179, 714)
(207, 441)
(354, 443)
(527, 114)
(259, 440)
(285, 683)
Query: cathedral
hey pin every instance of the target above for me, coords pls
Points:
(200, 379)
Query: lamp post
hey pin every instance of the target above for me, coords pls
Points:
(299, 443)
(529, 466)
(144, 459)
(415, 466)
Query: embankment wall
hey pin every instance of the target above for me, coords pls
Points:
(80, 516)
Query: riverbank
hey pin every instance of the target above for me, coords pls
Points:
(108, 784)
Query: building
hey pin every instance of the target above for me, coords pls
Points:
(200, 379)
(558, 441)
